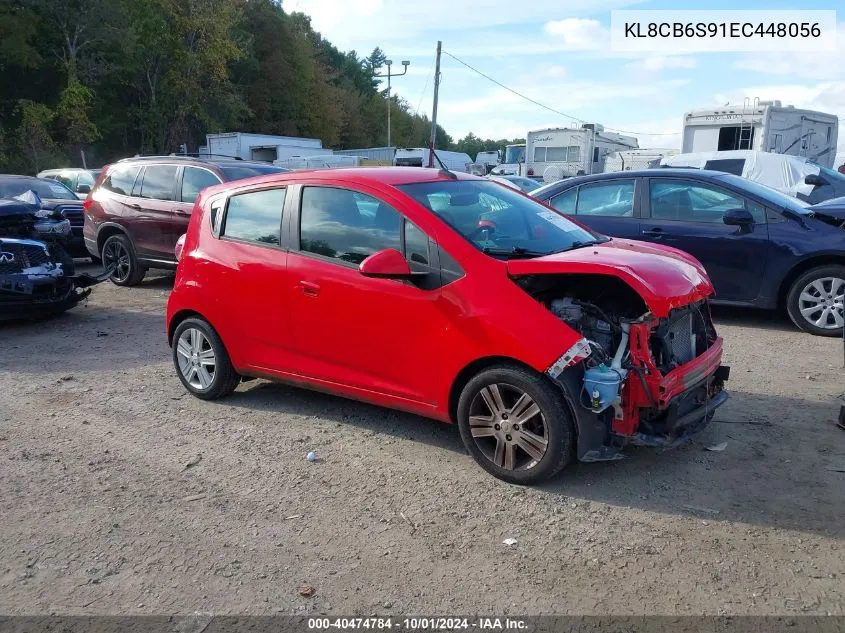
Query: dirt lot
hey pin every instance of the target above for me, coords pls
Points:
(100, 514)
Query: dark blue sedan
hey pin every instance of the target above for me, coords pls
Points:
(761, 248)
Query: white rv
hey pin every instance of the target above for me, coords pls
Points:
(633, 159)
(556, 153)
(511, 161)
(418, 157)
(261, 146)
(765, 126)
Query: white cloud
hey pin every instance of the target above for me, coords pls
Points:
(820, 65)
(578, 34)
(663, 62)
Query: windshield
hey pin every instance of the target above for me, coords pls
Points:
(11, 187)
(767, 193)
(248, 171)
(514, 154)
(499, 220)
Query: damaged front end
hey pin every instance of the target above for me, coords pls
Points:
(635, 377)
(33, 284)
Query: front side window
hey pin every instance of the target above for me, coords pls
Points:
(609, 199)
(195, 180)
(499, 220)
(158, 182)
(255, 217)
(346, 225)
(120, 179)
(697, 202)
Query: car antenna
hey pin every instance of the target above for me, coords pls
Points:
(443, 169)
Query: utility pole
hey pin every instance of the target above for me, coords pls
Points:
(434, 108)
(389, 63)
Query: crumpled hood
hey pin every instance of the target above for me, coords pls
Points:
(665, 277)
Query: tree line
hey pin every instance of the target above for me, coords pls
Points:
(114, 78)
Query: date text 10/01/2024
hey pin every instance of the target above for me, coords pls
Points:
(417, 624)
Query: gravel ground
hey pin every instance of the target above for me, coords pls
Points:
(102, 515)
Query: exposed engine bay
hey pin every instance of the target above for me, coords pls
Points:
(640, 372)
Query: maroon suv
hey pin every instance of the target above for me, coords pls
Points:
(140, 206)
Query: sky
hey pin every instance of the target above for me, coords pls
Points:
(557, 52)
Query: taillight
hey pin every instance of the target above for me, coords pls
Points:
(180, 244)
(86, 204)
(530, 172)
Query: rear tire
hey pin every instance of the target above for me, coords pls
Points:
(201, 360)
(516, 424)
(815, 301)
(119, 252)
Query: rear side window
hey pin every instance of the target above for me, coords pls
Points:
(158, 182)
(255, 217)
(195, 180)
(120, 179)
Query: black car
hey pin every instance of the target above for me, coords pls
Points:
(56, 199)
(761, 248)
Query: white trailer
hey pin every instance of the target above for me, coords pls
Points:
(633, 159)
(765, 126)
(323, 161)
(511, 161)
(373, 155)
(489, 159)
(418, 157)
(556, 153)
(264, 147)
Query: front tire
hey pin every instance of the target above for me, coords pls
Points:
(119, 253)
(516, 424)
(816, 301)
(202, 362)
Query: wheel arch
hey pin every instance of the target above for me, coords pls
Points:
(827, 259)
(478, 365)
(109, 229)
(180, 316)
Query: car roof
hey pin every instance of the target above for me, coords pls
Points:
(392, 176)
(682, 172)
(20, 177)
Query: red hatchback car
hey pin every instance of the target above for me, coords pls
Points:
(451, 297)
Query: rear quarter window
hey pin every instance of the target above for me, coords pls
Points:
(120, 179)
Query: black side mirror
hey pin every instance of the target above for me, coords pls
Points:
(83, 189)
(814, 179)
(738, 217)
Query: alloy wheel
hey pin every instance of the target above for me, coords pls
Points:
(115, 255)
(508, 427)
(196, 358)
(822, 303)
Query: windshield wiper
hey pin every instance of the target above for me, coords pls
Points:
(516, 251)
(579, 244)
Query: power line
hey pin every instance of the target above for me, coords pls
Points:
(425, 87)
(550, 109)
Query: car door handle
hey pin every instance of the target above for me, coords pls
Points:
(655, 233)
(309, 288)
(135, 206)
(180, 212)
